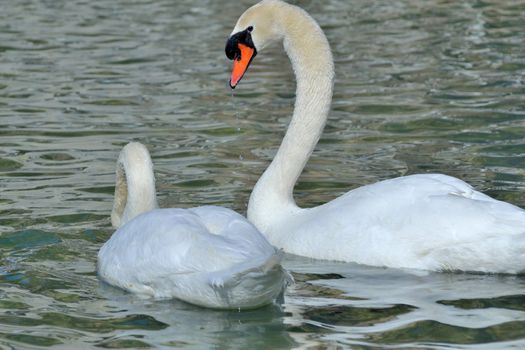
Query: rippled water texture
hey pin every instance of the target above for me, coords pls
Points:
(422, 86)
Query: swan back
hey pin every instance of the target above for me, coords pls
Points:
(135, 184)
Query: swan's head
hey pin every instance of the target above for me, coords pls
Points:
(256, 28)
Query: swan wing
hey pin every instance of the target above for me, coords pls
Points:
(164, 243)
(433, 221)
(194, 255)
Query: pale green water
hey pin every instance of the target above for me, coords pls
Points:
(422, 86)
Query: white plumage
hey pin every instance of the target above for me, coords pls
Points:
(432, 222)
(208, 256)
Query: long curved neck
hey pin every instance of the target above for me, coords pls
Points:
(135, 184)
(309, 52)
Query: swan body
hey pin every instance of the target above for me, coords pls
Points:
(208, 256)
(431, 221)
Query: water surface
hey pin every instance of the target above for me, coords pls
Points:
(421, 87)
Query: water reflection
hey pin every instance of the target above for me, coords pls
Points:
(364, 305)
(194, 327)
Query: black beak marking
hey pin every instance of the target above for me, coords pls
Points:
(232, 44)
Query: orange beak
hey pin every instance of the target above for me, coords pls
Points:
(240, 64)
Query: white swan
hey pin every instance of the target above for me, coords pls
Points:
(208, 256)
(432, 222)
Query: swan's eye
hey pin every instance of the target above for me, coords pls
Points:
(249, 29)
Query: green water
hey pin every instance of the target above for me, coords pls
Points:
(422, 86)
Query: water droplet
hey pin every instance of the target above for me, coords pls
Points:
(236, 111)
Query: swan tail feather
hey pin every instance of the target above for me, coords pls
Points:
(255, 283)
(501, 254)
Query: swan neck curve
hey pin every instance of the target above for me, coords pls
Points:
(312, 63)
(135, 184)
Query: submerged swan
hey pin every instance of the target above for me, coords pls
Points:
(431, 222)
(208, 256)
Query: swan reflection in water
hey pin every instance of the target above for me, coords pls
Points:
(346, 303)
